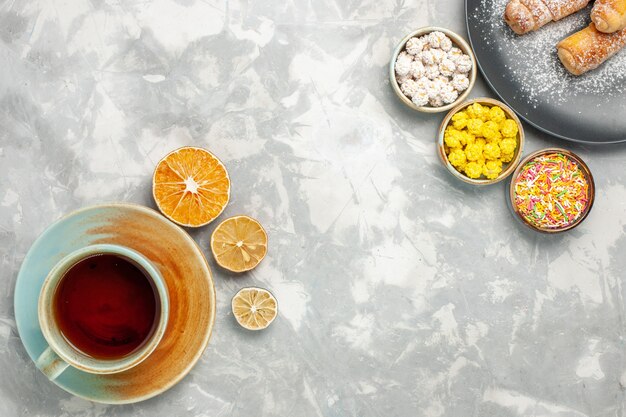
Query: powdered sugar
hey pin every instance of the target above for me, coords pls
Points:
(531, 62)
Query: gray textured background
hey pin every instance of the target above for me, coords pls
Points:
(402, 292)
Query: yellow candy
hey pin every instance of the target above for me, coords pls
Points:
(491, 151)
(476, 111)
(506, 157)
(452, 138)
(459, 120)
(474, 126)
(467, 138)
(469, 110)
(508, 128)
(474, 151)
(496, 114)
(457, 159)
(491, 131)
(508, 145)
(479, 140)
(492, 169)
(473, 170)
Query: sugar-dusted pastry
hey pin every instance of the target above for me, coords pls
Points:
(589, 48)
(524, 16)
(609, 15)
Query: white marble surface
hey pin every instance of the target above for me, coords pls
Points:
(401, 291)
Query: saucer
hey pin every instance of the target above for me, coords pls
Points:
(184, 268)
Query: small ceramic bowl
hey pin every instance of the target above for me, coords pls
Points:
(508, 168)
(459, 42)
(591, 192)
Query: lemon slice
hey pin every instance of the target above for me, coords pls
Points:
(239, 243)
(191, 186)
(254, 308)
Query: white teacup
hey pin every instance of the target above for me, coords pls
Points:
(60, 352)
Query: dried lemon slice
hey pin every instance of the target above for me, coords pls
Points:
(191, 186)
(254, 308)
(239, 243)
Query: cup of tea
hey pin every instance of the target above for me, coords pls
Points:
(102, 309)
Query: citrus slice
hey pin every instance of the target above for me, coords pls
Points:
(191, 186)
(239, 243)
(254, 308)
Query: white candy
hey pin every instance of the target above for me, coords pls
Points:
(454, 54)
(464, 64)
(403, 63)
(449, 94)
(435, 38)
(460, 82)
(446, 44)
(431, 71)
(436, 101)
(409, 88)
(447, 68)
(418, 57)
(423, 84)
(414, 46)
(402, 78)
(438, 55)
(403, 68)
(404, 56)
(427, 57)
(417, 70)
(438, 84)
(420, 98)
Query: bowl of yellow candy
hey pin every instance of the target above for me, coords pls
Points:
(481, 141)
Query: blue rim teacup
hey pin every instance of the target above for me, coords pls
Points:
(60, 353)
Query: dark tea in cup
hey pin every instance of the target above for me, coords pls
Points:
(106, 306)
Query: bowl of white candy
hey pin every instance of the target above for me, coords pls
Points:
(432, 70)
